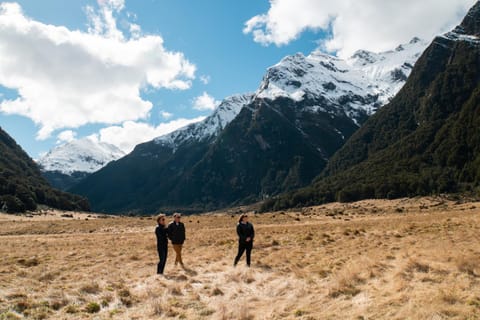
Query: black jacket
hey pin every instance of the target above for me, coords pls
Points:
(176, 233)
(244, 231)
(162, 239)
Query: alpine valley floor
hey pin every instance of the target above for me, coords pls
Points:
(377, 259)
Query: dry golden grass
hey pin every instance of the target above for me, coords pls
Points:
(402, 259)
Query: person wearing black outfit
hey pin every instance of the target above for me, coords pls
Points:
(176, 233)
(246, 233)
(162, 243)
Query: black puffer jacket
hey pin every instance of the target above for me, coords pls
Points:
(244, 231)
(176, 233)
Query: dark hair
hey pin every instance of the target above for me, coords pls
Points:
(241, 217)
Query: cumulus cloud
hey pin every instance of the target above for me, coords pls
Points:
(69, 78)
(374, 25)
(130, 133)
(66, 136)
(205, 102)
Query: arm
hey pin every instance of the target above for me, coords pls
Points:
(253, 232)
(239, 231)
(184, 232)
(169, 231)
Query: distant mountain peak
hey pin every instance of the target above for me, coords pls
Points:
(83, 155)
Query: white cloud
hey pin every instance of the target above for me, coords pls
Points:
(135, 30)
(205, 102)
(131, 133)
(69, 78)
(113, 4)
(205, 79)
(375, 25)
(66, 136)
(166, 115)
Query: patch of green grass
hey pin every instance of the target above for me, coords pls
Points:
(92, 307)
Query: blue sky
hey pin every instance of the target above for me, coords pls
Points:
(209, 34)
(213, 48)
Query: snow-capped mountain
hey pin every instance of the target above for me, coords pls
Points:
(68, 163)
(83, 155)
(357, 85)
(211, 126)
(255, 146)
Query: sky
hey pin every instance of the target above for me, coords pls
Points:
(125, 71)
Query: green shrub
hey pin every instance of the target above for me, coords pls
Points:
(92, 307)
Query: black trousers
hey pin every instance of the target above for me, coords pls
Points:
(242, 247)
(162, 255)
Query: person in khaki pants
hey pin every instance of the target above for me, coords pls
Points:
(176, 234)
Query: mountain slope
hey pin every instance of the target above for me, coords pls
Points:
(277, 140)
(137, 181)
(427, 140)
(21, 185)
(67, 164)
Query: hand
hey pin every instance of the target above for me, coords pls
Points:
(248, 239)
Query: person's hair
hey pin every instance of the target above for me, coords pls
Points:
(176, 214)
(241, 217)
(160, 216)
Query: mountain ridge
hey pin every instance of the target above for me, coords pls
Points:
(423, 142)
(279, 140)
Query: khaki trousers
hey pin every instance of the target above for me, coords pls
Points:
(178, 251)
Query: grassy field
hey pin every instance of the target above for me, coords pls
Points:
(402, 259)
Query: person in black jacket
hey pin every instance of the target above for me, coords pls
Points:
(162, 243)
(176, 233)
(246, 233)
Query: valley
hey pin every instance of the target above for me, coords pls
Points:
(374, 259)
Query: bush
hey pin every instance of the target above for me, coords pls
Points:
(11, 204)
(92, 307)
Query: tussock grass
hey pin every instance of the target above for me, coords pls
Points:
(337, 261)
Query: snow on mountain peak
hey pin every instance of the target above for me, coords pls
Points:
(228, 109)
(365, 74)
(83, 155)
(363, 82)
